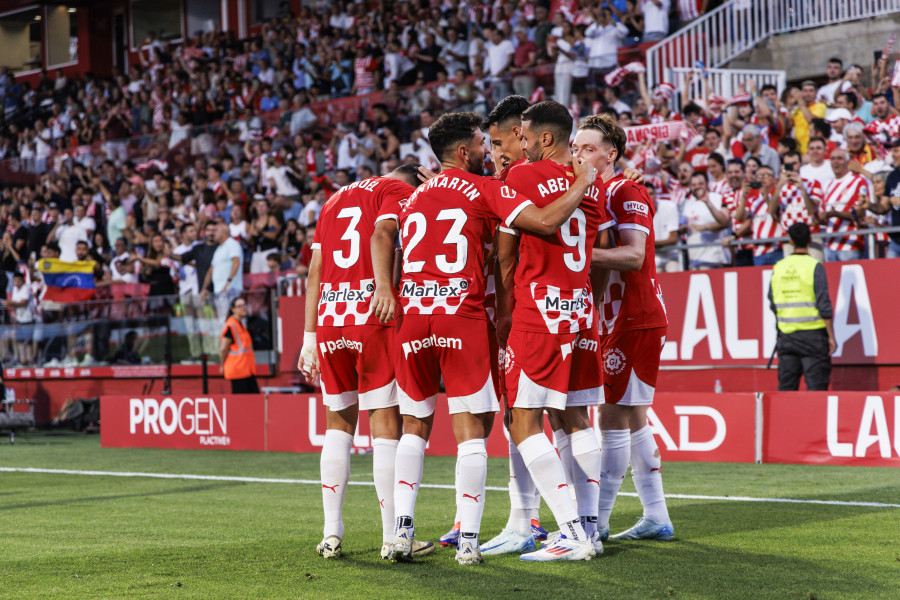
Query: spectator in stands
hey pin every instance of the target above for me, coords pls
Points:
(835, 73)
(797, 200)
(224, 272)
(804, 108)
(840, 214)
(604, 37)
(21, 300)
(703, 221)
(816, 167)
(656, 19)
(751, 138)
(665, 232)
(524, 60)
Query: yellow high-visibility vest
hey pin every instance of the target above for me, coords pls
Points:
(794, 295)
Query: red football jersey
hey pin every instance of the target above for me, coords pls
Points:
(633, 299)
(552, 289)
(443, 229)
(343, 231)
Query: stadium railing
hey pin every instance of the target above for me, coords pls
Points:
(724, 33)
(724, 82)
(872, 246)
(140, 330)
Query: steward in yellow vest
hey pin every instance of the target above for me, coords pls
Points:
(799, 298)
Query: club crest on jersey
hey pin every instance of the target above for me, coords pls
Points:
(509, 360)
(613, 361)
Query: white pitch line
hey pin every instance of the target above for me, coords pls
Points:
(424, 485)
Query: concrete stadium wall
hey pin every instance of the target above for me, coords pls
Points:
(804, 54)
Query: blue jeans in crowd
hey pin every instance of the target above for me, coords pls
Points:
(768, 259)
(842, 255)
(893, 250)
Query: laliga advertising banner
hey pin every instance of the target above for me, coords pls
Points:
(722, 317)
(832, 428)
(695, 427)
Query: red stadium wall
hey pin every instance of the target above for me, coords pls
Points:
(843, 428)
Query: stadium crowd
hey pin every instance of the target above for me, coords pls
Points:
(220, 139)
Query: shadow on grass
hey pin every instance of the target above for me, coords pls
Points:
(88, 499)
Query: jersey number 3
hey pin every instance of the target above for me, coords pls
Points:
(345, 261)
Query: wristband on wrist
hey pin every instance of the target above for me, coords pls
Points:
(309, 338)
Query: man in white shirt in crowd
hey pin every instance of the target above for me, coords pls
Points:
(499, 60)
(835, 72)
(347, 148)
(122, 267)
(817, 168)
(189, 287)
(85, 222)
(68, 235)
(277, 180)
(225, 272)
(656, 19)
(665, 232)
(21, 299)
(704, 222)
(604, 37)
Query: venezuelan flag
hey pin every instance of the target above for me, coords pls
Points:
(67, 281)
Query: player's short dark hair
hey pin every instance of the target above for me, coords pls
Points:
(799, 234)
(506, 111)
(409, 173)
(717, 158)
(450, 130)
(551, 116)
(609, 129)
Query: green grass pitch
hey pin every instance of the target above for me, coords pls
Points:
(76, 536)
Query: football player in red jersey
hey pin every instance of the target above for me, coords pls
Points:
(504, 124)
(443, 227)
(633, 329)
(339, 324)
(551, 355)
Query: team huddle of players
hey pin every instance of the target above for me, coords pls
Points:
(537, 287)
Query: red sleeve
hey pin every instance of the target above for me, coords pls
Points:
(392, 203)
(632, 208)
(503, 201)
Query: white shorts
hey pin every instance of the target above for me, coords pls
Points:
(383, 397)
(589, 397)
(482, 401)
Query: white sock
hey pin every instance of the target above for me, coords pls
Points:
(472, 461)
(613, 465)
(564, 448)
(586, 458)
(645, 470)
(384, 454)
(334, 467)
(407, 477)
(521, 493)
(548, 475)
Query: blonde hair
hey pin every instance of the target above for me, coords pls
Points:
(612, 133)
